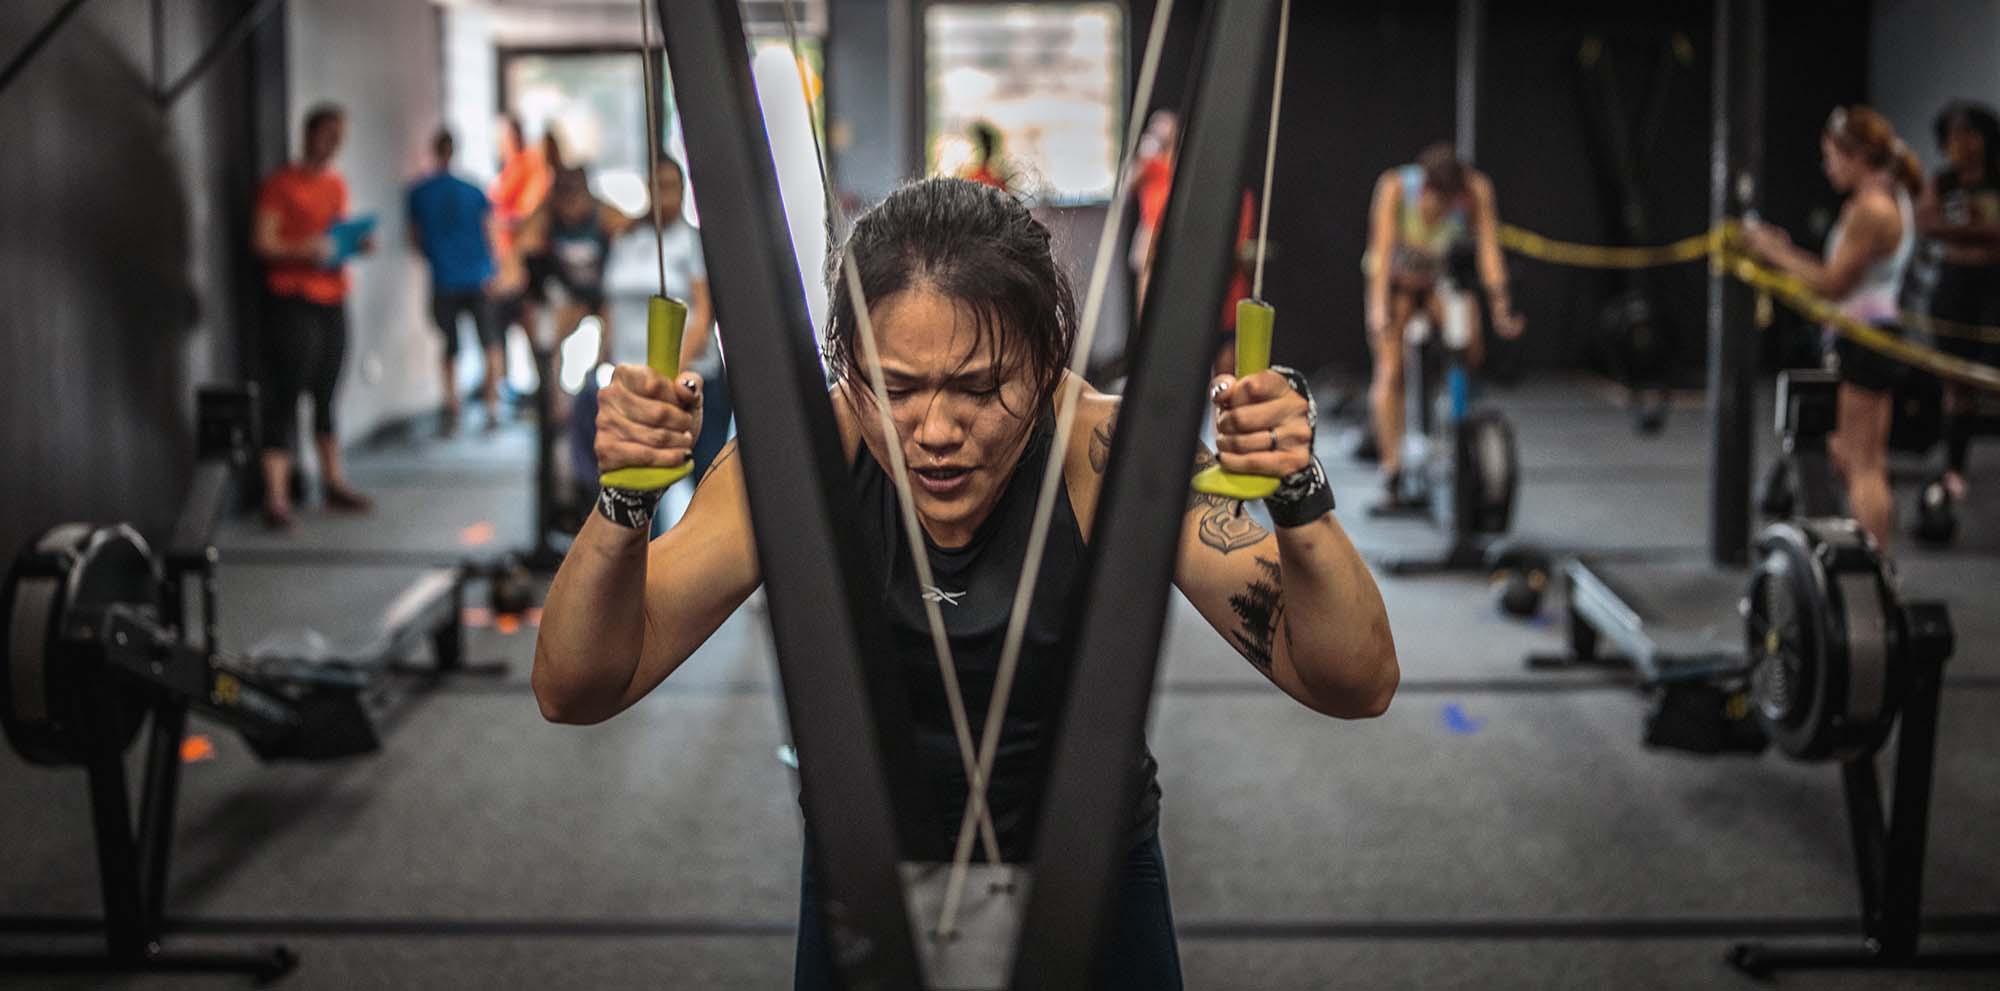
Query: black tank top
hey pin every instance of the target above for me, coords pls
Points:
(975, 592)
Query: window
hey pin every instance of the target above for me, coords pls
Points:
(1047, 76)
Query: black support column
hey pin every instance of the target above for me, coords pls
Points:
(1471, 40)
(1736, 159)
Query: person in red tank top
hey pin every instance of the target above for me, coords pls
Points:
(1152, 181)
(305, 331)
(517, 192)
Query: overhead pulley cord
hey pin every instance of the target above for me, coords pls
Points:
(652, 143)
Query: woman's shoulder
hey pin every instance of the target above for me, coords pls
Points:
(1874, 207)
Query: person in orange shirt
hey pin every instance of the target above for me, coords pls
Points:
(305, 333)
(517, 192)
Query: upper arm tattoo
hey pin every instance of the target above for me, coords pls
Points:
(1100, 442)
(1260, 608)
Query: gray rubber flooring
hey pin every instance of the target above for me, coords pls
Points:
(1498, 828)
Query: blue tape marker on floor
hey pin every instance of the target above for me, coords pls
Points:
(1458, 722)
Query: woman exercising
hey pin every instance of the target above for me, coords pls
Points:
(1429, 219)
(1960, 210)
(1866, 254)
(975, 319)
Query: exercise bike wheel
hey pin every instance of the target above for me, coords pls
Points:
(54, 702)
(1822, 624)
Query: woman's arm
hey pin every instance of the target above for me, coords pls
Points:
(272, 246)
(533, 236)
(623, 614)
(1381, 244)
(1299, 604)
(694, 341)
(1872, 230)
(1492, 264)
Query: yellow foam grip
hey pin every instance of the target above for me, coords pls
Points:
(1254, 320)
(666, 321)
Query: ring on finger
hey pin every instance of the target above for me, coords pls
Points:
(1274, 438)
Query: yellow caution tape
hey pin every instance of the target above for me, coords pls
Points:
(1722, 246)
(1527, 242)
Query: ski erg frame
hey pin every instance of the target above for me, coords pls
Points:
(840, 711)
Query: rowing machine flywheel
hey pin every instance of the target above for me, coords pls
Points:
(57, 698)
(1825, 629)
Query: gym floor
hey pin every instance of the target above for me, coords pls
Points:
(1497, 828)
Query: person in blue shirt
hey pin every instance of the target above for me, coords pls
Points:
(449, 220)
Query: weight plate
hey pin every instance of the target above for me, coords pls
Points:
(56, 700)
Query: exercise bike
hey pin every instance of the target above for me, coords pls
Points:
(104, 637)
(1834, 660)
(1461, 469)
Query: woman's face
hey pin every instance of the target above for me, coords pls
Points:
(1843, 168)
(1964, 147)
(510, 144)
(960, 422)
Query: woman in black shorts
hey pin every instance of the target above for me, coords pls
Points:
(1866, 255)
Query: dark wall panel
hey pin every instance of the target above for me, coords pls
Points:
(121, 223)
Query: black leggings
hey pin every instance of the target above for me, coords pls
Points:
(1139, 953)
(304, 346)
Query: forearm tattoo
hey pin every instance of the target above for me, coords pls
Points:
(1260, 609)
(1223, 523)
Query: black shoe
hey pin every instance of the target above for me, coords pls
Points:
(1367, 452)
(1394, 501)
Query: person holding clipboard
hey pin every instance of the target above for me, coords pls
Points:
(304, 237)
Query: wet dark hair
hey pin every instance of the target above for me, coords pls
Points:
(1980, 119)
(319, 116)
(980, 248)
(1442, 169)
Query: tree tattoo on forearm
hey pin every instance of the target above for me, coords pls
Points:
(1260, 607)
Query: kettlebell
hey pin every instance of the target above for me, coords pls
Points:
(1937, 514)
